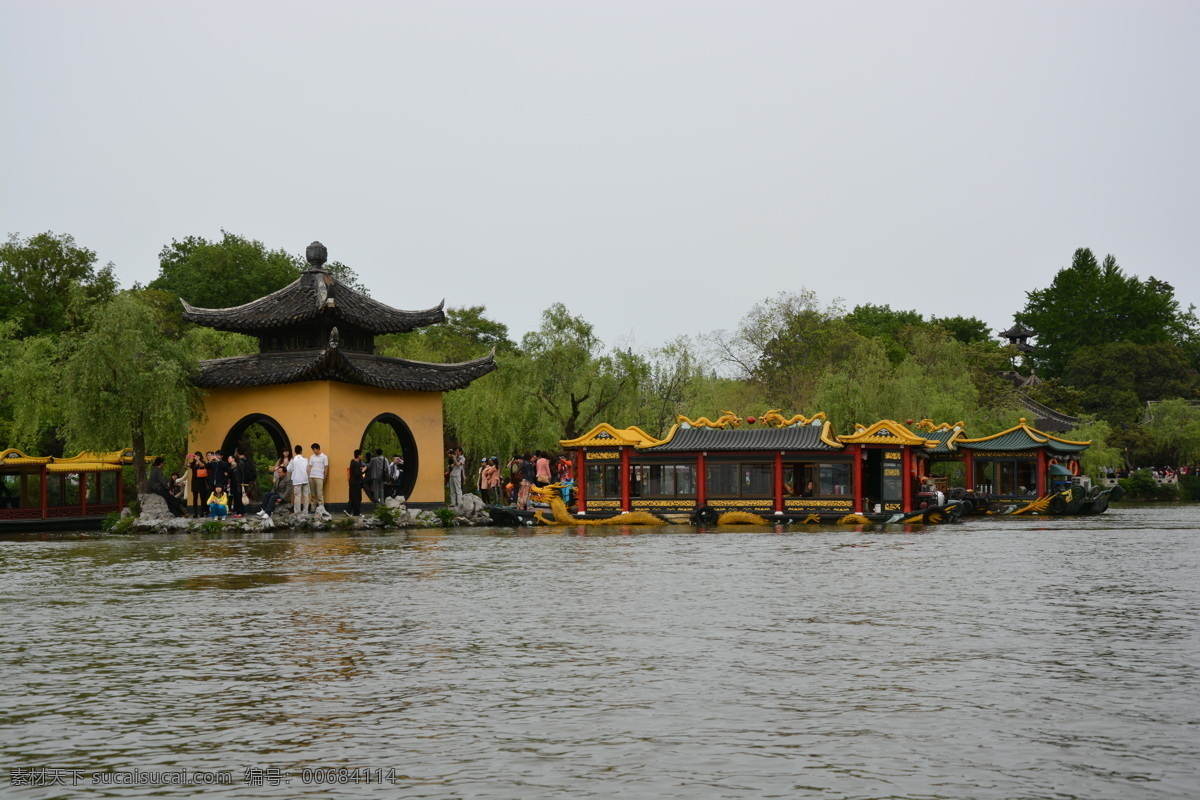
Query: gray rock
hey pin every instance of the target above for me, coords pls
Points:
(470, 506)
(154, 507)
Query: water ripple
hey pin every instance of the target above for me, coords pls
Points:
(994, 659)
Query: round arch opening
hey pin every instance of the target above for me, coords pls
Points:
(407, 445)
(237, 437)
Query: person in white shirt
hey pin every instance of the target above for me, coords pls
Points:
(298, 470)
(318, 465)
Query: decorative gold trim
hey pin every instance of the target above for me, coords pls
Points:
(663, 503)
(1034, 433)
(776, 420)
(83, 466)
(928, 425)
(600, 456)
(605, 435)
(726, 420)
(14, 457)
(887, 432)
(805, 505)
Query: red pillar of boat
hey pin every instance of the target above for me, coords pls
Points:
(45, 489)
(779, 483)
(969, 471)
(701, 482)
(859, 502)
(624, 478)
(906, 469)
(581, 479)
(1042, 467)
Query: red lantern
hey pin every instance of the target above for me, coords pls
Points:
(750, 420)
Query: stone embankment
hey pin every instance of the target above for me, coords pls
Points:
(157, 518)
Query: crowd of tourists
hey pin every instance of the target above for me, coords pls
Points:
(508, 484)
(222, 485)
(219, 485)
(1162, 473)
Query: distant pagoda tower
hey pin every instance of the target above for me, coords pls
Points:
(1018, 336)
(316, 378)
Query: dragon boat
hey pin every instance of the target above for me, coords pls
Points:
(550, 510)
(797, 470)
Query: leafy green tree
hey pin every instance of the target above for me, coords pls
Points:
(968, 330)
(467, 333)
(886, 325)
(1057, 395)
(935, 380)
(674, 383)
(45, 281)
(232, 271)
(224, 273)
(30, 392)
(784, 344)
(1176, 426)
(1102, 453)
(498, 415)
(575, 383)
(1090, 304)
(1116, 379)
(126, 384)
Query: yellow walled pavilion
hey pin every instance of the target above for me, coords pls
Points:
(316, 378)
(335, 416)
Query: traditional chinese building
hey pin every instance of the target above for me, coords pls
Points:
(789, 468)
(796, 468)
(316, 378)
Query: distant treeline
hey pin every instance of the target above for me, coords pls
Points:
(88, 365)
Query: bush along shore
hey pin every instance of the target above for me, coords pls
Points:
(153, 517)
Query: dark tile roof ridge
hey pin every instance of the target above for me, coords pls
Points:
(332, 363)
(1043, 410)
(485, 359)
(311, 295)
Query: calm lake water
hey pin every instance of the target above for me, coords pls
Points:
(992, 659)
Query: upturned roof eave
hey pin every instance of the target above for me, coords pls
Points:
(312, 296)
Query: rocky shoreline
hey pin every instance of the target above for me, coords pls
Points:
(155, 517)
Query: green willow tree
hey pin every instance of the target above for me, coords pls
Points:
(467, 333)
(941, 378)
(1176, 427)
(126, 384)
(576, 384)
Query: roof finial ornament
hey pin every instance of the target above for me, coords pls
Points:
(317, 255)
(334, 339)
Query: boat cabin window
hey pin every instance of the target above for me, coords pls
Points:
(947, 474)
(817, 479)
(663, 480)
(603, 480)
(1006, 476)
(725, 479)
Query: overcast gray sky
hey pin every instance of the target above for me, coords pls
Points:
(658, 167)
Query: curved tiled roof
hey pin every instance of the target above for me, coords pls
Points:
(315, 295)
(801, 437)
(334, 364)
(1023, 437)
